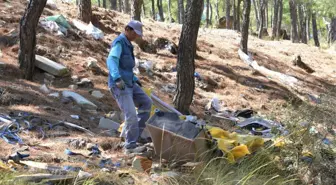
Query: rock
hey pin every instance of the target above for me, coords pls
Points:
(142, 164)
(73, 87)
(44, 89)
(55, 95)
(50, 66)
(91, 62)
(116, 116)
(85, 82)
(75, 78)
(41, 50)
(80, 100)
(97, 94)
(108, 124)
(78, 143)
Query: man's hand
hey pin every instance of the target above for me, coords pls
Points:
(120, 84)
(139, 83)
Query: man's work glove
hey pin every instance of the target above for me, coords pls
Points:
(120, 84)
(139, 83)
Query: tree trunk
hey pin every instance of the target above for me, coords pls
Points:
(169, 11)
(210, 21)
(266, 13)
(120, 7)
(234, 15)
(308, 23)
(136, 9)
(98, 3)
(256, 13)
(28, 26)
(85, 11)
(275, 19)
(316, 40)
(228, 14)
(245, 28)
(127, 8)
(186, 56)
(207, 13)
(293, 15)
(143, 9)
(303, 30)
(217, 12)
(262, 16)
(238, 15)
(332, 31)
(113, 4)
(181, 11)
(153, 9)
(159, 5)
(280, 4)
(104, 4)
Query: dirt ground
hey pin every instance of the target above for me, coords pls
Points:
(227, 76)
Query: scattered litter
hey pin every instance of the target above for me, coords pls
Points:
(78, 143)
(94, 31)
(259, 126)
(314, 99)
(53, 27)
(83, 175)
(50, 66)
(197, 76)
(72, 169)
(75, 78)
(313, 130)
(108, 124)
(97, 94)
(106, 163)
(73, 87)
(75, 116)
(44, 89)
(78, 128)
(46, 178)
(214, 104)
(91, 62)
(326, 141)
(60, 20)
(69, 152)
(80, 100)
(169, 88)
(16, 157)
(85, 82)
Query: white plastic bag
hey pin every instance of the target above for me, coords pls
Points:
(95, 32)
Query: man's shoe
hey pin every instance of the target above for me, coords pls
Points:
(138, 149)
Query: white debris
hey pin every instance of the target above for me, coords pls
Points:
(79, 99)
(44, 89)
(55, 95)
(95, 32)
(91, 62)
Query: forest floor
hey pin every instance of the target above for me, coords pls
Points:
(224, 74)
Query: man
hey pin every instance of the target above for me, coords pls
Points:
(126, 87)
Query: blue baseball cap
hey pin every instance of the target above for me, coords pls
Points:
(137, 26)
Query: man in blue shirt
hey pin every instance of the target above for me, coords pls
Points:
(126, 87)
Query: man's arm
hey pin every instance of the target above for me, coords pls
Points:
(113, 61)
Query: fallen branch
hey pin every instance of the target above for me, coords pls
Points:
(289, 82)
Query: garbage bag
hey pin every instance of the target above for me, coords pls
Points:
(60, 20)
(94, 31)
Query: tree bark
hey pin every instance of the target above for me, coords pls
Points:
(104, 4)
(113, 4)
(181, 11)
(169, 11)
(238, 15)
(143, 9)
(308, 23)
(332, 31)
(293, 15)
(280, 4)
(245, 27)
(28, 26)
(234, 15)
(303, 31)
(127, 8)
(275, 19)
(316, 40)
(85, 11)
(207, 13)
(186, 56)
(159, 5)
(266, 13)
(153, 9)
(210, 21)
(262, 16)
(120, 7)
(228, 14)
(217, 12)
(256, 13)
(136, 9)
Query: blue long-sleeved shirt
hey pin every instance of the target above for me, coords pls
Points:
(113, 62)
